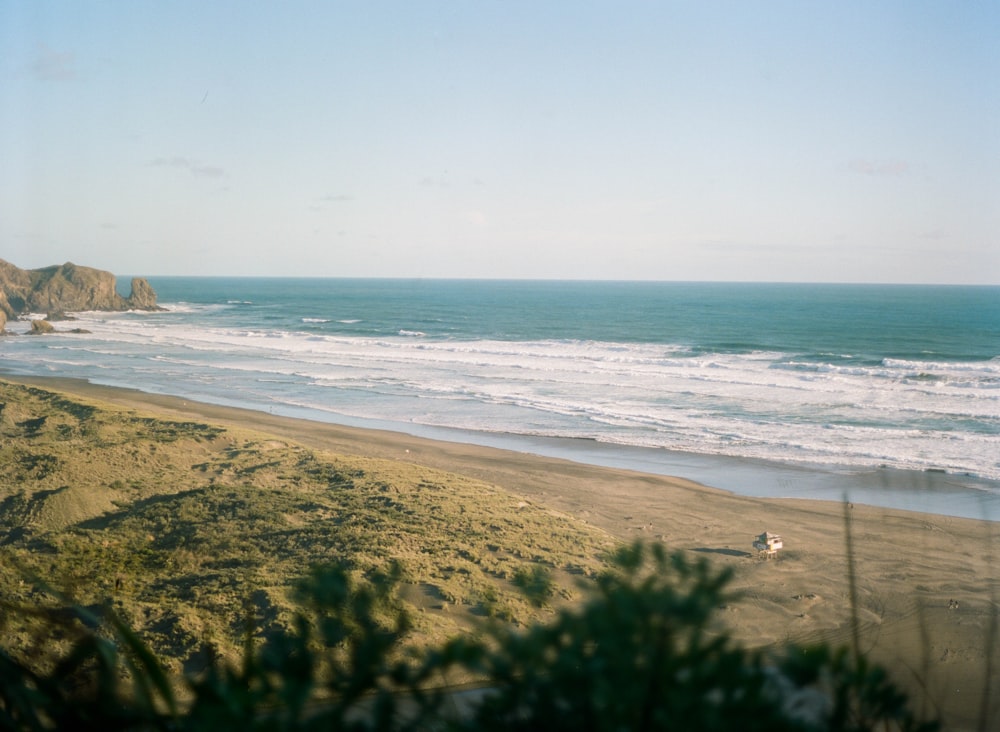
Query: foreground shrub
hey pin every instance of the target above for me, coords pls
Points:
(640, 653)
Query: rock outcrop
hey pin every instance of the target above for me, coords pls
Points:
(142, 296)
(67, 287)
(41, 327)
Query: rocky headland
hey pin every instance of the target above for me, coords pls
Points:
(65, 288)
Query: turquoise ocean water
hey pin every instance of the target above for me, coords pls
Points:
(856, 380)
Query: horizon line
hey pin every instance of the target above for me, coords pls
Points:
(608, 280)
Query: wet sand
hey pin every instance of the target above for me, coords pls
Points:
(927, 584)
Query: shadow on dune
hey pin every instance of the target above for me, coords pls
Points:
(727, 552)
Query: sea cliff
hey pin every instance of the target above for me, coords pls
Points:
(66, 287)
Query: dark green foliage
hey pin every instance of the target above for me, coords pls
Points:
(32, 465)
(86, 689)
(641, 653)
(331, 671)
(536, 584)
(71, 406)
(860, 695)
(163, 430)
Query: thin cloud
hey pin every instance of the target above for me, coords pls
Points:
(435, 181)
(52, 65)
(321, 203)
(883, 168)
(197, 169)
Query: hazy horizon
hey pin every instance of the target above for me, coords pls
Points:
(701, 142)
(485, 278)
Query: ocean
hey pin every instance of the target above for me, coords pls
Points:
(769, 389)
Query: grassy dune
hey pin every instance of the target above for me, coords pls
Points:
(188, 529)
(195, 521)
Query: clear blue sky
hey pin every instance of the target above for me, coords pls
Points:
(803, 141)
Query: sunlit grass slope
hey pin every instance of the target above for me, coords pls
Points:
(195, 532)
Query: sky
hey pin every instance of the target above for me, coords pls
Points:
(708, 141)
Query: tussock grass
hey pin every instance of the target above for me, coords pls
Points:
(191, 530)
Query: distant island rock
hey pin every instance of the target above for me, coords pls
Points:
(65, 288)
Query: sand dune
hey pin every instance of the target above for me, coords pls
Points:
(927, 585)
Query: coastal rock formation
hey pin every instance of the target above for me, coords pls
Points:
(142, 296)
(41, 327)
(67, 287)
(13, 282)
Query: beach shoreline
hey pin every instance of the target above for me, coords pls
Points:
(933, 492)
(926, 583)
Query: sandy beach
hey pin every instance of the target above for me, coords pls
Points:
(927, 584)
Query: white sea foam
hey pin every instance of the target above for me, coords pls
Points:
(773, 405)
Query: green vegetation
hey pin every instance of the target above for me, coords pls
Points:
(641, 652)
(178, 525)
(155, 574)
